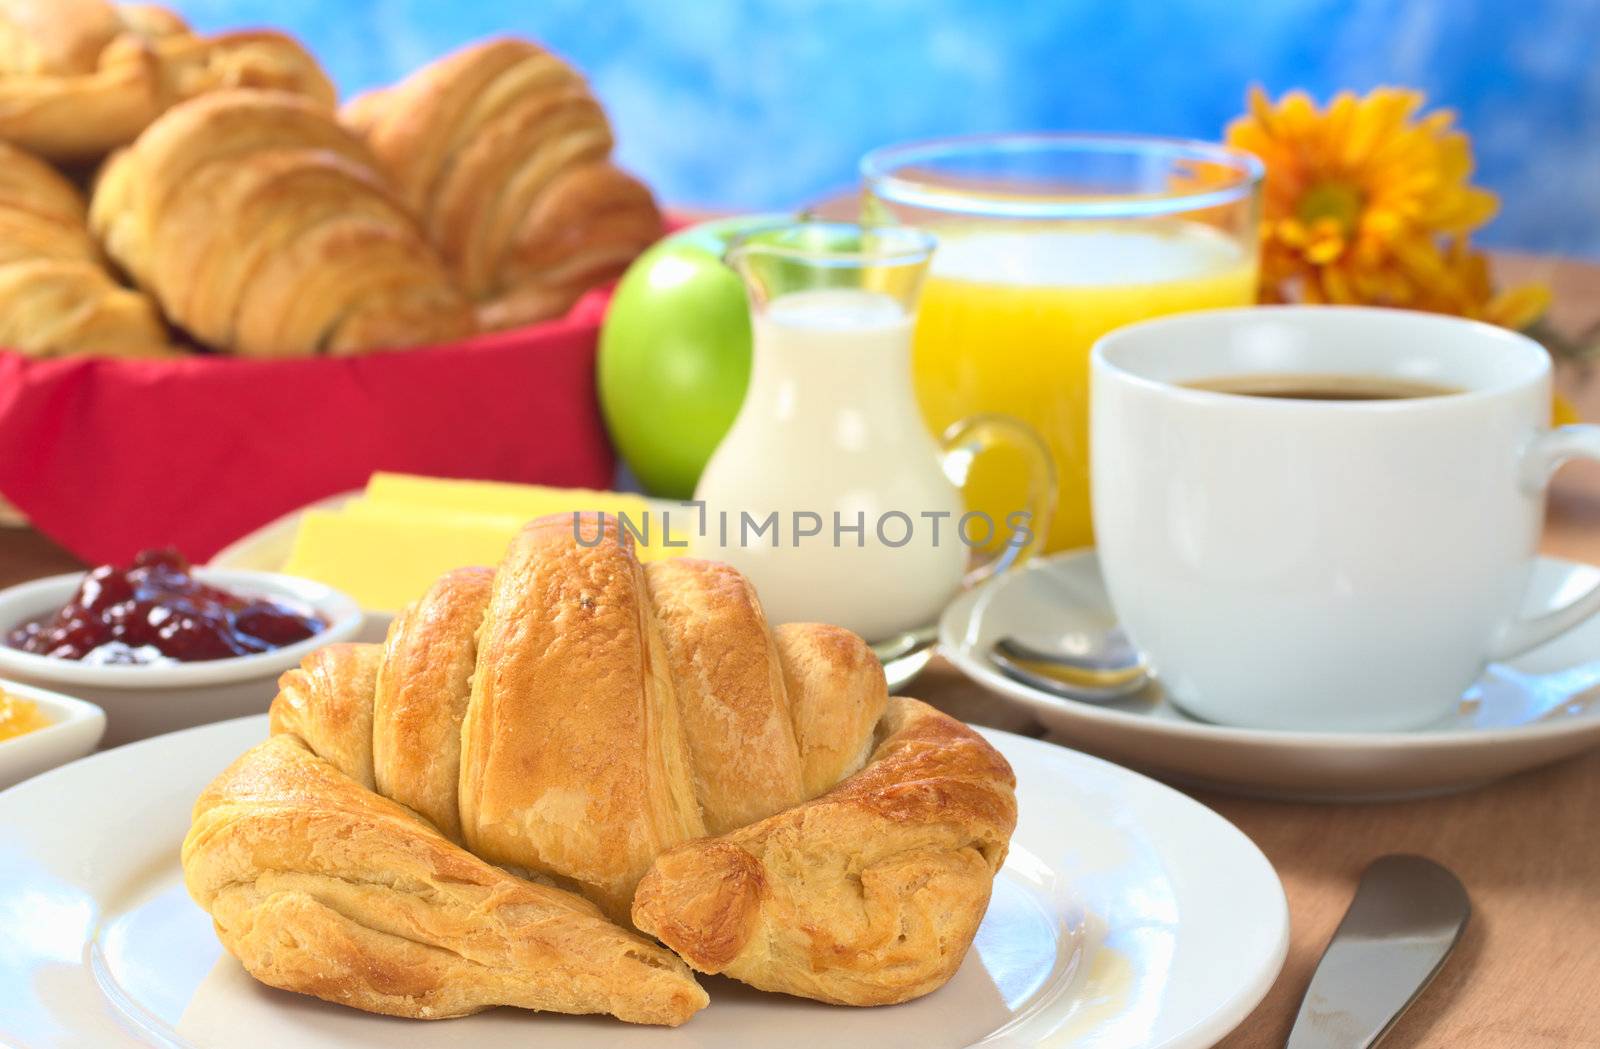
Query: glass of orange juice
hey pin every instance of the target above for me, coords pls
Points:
(1047, 242)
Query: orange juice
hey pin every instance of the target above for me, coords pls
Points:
(1009, 313)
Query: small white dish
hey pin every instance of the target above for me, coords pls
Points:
(1538, 708)
(74, 729)
(142, 701)
(1127, 914)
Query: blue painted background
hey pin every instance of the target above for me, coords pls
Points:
(769, 104)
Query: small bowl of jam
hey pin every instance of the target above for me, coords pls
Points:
(162, 644)
(157, 610)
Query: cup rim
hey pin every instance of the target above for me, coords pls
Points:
(18, 602)
(1534, 355)
(879, 167)
(905, 245)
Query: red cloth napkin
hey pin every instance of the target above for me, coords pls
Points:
(108, 456)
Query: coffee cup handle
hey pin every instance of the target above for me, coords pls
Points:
(1547, 454)
(966, 439)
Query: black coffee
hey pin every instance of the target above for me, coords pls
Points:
(1323, 387)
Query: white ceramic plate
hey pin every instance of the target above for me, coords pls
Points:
(1538, 708)
(1128, 915)
(75, 727)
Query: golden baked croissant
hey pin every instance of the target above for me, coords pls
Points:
(505, 154)
(78, 78)
(56, 295)
(585, 720)
(662, 704)
(324, 887)
(264, 228)
(885, 877)
(152, 21)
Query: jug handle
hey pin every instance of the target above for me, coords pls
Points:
(965, 440)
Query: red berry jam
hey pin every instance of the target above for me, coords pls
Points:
(157, 611)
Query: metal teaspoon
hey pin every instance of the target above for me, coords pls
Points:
(1097, 670)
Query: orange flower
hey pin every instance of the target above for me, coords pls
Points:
(1360, 199)
(1463, 288)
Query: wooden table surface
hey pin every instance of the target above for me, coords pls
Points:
(1527, 973)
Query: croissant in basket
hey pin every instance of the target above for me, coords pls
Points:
(56, 295)
(78, 78)
(505, 154)
(424, 831)
(263, 227)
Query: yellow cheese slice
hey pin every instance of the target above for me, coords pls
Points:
(385, 547)
(524, 501)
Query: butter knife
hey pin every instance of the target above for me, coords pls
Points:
(1407, 915)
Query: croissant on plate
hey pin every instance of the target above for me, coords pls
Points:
(79, 78)
(505, 154)
(884, 878)
(263, 227)
(56, 294)
(324, 887)
(597, 729)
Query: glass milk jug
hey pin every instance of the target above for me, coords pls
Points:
(828, 492)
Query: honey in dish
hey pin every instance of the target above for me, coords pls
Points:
(1299, 387)
(18, 717)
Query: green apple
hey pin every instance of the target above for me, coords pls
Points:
(675, 355)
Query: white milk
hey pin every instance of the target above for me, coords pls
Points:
(830, 426)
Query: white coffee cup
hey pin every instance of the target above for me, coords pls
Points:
(1324, 565)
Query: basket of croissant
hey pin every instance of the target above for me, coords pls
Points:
(572, 781)
(214, 278)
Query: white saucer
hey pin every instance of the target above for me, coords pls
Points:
(1127, 914)
(1539, 708)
